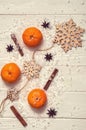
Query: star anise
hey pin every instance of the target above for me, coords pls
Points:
(9, 48)
(52, 112)
(45, 24)
(48, 57)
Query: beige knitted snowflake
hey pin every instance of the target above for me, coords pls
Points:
(68, 35)
(12, 94)
(31, 69)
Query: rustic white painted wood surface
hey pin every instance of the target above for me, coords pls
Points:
(68, 91)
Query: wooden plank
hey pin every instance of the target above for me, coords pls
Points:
(69, 76)
(68, 105)
(48, 124)
(78, 74)
(42, 7)
(17, 24)
(69, 79)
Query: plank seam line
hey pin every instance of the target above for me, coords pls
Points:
(64, 118)
(42, 14)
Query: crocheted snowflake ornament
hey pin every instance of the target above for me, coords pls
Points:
(31, 69)
(68, 35)
(12, 95)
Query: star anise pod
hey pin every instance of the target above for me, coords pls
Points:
(9, 48)
(48, 57)
(45, 24)
(52, 112)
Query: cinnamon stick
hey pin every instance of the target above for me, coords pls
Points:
(13, 37)
(50, 79)
(19, 117)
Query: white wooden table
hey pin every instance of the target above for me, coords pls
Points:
(68, 91)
